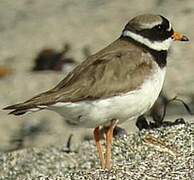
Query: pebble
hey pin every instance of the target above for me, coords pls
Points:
(165, 153)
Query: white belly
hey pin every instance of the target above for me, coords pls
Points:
(124, 107)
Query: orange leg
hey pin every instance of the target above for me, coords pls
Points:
(98, 145)
(109, 135)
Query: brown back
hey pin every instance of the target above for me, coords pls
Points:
(119, 68)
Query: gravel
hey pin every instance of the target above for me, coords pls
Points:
(28, 26)
(163, 153)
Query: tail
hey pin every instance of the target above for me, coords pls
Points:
(39, 102)
(20, 109)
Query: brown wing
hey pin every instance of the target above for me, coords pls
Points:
(119, 68)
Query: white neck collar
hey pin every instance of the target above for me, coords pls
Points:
(156, 45)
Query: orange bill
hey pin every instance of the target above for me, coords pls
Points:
(179, 37)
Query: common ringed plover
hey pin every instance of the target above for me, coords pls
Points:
(118, 83)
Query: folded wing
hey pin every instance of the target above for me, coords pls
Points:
(110, 72)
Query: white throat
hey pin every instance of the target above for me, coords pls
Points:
(156, 45)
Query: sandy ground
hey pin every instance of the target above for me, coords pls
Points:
(27, 26)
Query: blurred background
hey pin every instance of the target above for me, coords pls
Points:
(41, 41)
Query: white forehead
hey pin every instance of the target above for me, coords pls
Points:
(170, 27)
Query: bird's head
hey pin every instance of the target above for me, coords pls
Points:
(154, 31)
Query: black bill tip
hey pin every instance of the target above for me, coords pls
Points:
(184, 38)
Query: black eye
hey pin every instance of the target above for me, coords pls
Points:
(159, 28)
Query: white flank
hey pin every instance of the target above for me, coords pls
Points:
(34, 109)
(156, 45)
(60, 104)
(124, 107)
(42, 106)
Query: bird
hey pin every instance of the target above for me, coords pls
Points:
(118, 83)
